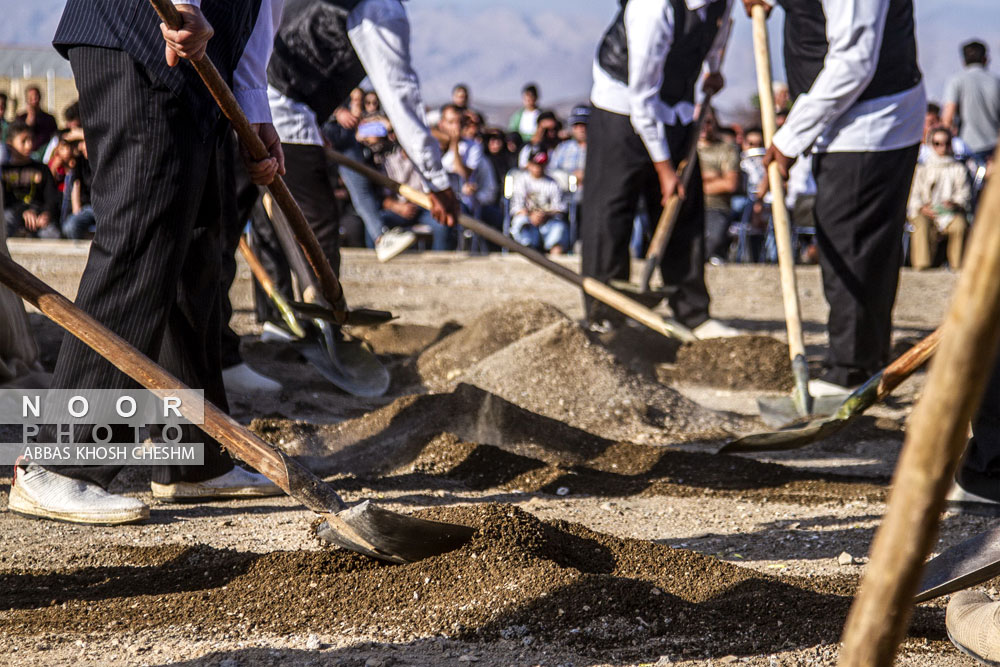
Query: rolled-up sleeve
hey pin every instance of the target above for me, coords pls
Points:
(250, 77)
(380, 33)
(854, 30)
(649, 30)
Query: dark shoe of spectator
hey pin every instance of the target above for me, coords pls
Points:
(973, 624)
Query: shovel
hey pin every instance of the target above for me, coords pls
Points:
(267, 284)
(345, 361)
(594, 288)
(875, 390)
(328, 285)
(962, 566)
(363, 528)
(782, 227)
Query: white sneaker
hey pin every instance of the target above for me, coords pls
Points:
(237, 483)
(973, 624)
(711, 328)
(272, 333)
(42, 494)
(393, 242)
(241, 379)
(818, 388)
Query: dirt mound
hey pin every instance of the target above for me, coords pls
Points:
(519, 579)
(402, 339)
(623, 469)
(491, 331)
(559, 373)
(393, 436)
(741, 362)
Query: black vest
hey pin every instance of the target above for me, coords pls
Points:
(806, 47)
(132, 26)
(693, 38)
(313, 60)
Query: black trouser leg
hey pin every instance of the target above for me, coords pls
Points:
(683, 263)
(234, 219)
(308, 180)
(980, 471)
(618, 171)
(152, 274)
(860, 216)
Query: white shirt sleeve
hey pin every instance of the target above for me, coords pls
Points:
(250, 77)
(193, 3)
(854, 30)
(649, 29)
(380, 33)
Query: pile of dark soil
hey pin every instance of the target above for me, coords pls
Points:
(490, 332)
(402, 339)
(742, 362)
(519, 579)
(559, 373)
(622, 469)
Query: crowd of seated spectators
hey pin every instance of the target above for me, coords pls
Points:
(526, 176)
(45, 172)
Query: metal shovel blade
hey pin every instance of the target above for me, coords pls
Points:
(397, 538)
(347, 363)
(966, 564)
(780, 410)
(362, 317)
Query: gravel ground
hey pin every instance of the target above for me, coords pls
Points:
(793, 537)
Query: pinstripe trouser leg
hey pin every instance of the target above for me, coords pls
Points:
(152, 275)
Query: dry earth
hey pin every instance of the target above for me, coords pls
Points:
(609, 531)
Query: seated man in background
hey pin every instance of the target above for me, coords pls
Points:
(539, 209)
(80, 223)
(30, 196)
(399, 216)
(720, 178)
(938, 201)
(545, 138)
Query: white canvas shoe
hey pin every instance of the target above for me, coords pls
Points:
(241, 379)
(973, 625)
(715, 329)
(393, 242)
(43, 494)
(237, 483)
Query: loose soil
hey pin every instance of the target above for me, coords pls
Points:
(609, 531)
(741, 362)
(519, 578)
(490, 332)
(560, 373)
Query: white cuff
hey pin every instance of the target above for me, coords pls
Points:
(658, 150)
(438, 180)
(193, 3)
(253, 101)
(789, 144)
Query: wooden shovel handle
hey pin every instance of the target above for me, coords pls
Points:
(594, 288)
(896, 372)
(287, 473)
(782, 223)
(936, 436)
(328, 283)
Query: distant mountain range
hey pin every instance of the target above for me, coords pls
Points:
(496, 47)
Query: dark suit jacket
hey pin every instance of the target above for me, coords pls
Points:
(132, 26)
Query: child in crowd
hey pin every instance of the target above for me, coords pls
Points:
(80, 222)
(30, 196)
(539, 219)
